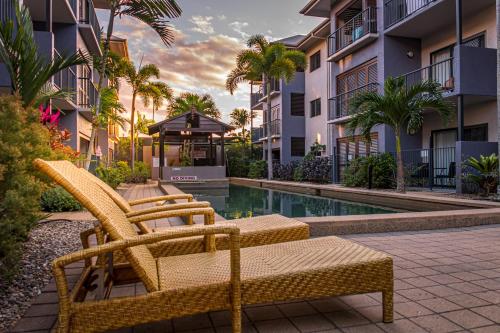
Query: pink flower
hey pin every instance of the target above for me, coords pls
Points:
(46, 116)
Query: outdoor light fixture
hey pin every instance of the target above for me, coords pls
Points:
(410, 54)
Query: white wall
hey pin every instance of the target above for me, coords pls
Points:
(472, 25)
(316, 86)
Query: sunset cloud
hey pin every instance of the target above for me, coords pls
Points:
(202, 24)
(238, 28)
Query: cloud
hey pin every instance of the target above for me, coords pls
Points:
(238, 27)
(202, 24)
(222, 17)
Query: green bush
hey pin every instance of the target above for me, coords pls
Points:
(240, 157)
(257, 169)
(383, 171)
(22, 139)
(56, 199)
(140, 174)
(115, 174)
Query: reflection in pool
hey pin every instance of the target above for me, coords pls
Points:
(243, 201)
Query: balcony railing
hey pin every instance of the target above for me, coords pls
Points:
(255, 98)
(397, 10)
(275, 129)
(87, 93)
(360, 25)
(440, 72)
(66, 80)
(88, 16)
(7, 10)
(339, 105)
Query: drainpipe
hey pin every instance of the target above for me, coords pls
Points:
(48, 15)
(460, 98)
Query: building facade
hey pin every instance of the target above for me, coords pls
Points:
(371, 40)
(65, 27)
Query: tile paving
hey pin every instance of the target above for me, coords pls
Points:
(446, 281)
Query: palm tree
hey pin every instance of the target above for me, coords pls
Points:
(155, 13)
(30, 72)
(401, 108)
(141, 127)
(239, 119)
(138, 81)
(156, 92)
(267, 61)
(186, 101)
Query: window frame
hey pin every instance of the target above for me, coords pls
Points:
(318, 55)
(293, 153)
(313, 104)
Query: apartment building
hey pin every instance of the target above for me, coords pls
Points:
(415, 39)
(64, 27)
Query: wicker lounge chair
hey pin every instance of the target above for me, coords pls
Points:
(210, 281)
(254, 231)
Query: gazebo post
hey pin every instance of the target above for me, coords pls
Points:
(211, 151)
(222, 150)
(162, 154)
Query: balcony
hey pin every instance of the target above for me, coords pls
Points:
(65, 80)
(89, 26)
(7, 11)
(275, 89)
(353, 35)
(338, 107)
(86, 97)
(422, 18)
(440, 72)
(63, 11)
(255, 100)
(275, 129)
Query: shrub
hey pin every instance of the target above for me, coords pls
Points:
(483, 172)
(257, 169)
(317, 169)
(22, 139)
(140, 174)
(285, 171)
(56, 199)
(383, 171)
(240, 157)
(115, 174)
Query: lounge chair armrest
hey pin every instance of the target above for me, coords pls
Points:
(179, 232)
(208, 212)
(162, 198)
(177, 206)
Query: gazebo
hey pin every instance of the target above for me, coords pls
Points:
(191, 148)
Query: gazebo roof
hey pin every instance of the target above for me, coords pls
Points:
(179, 124)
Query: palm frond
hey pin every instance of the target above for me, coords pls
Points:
(258, 42)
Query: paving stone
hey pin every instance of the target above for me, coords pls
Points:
(489, 296)
(38, 310)
(276, 326)
(420, 282)
(329, 305)
(488, 283)
(439, 305)
(47, 298)
(312, 323)
(467, 300)
(246, 328)
(346, 318)
(223, 318)
(372, 328)
(164, 326)
(263, 313)
(296, 309)
(192, 322)
(415, 294)
(467, 276)
(487, 329)
(444, 278)
(35, 323)
(442, 291)
(467, 287)
(374, 313)
(491, 312)
(436, 324)
(357, 301)
(401, 326)
(467, 319)
(411, 309)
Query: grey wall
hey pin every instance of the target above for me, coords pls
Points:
(477, 71)
(69, 121)
(396, 61)
(291, 126)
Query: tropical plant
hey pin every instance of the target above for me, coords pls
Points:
(267, 61)
(401, 107)
(141, 127)
(111, 109)
(56, 199)
(22, 139)
(30, 72)
(187, 101)
(484, 172)
(156, 92)
(138, 80)
(257, 169)
(154, 13)
(383, 167)
(114, 174)
(240, 118)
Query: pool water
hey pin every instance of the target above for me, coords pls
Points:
(244, 201)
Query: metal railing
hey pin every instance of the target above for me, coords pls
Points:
(88, 16)
(434, 167)
(440, 72)
(360, 25)
(7, 10)
(339, 106)
(255, 98)
(275, 129)
(397, 10)
(65, 80)
(87, 93)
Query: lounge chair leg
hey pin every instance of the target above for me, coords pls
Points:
(388, 306)
(236, 318)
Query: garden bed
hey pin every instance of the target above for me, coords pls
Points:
(47, 241)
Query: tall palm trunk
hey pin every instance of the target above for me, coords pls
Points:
(93, 131)
(400, 175)
(267, 84)
(132, 129)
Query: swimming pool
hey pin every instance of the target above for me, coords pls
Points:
(244, 201)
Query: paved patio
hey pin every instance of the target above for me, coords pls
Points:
(445, 281)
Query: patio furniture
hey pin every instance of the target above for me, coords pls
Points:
(446, 175)
(254, 231)
(210, 281)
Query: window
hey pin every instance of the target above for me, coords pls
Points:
(297, 104)
(298, 146)
(476, 133)
(315, 61)
(315, 107)
(477, 40)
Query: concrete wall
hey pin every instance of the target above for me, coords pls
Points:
(201, 172)
(476, 74)
(291, 126)
(316, 86)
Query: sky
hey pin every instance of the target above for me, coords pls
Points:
(208, 35)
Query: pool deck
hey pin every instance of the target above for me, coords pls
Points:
(445, 281)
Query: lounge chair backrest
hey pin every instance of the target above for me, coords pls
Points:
(111, 217)
(117, 198)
